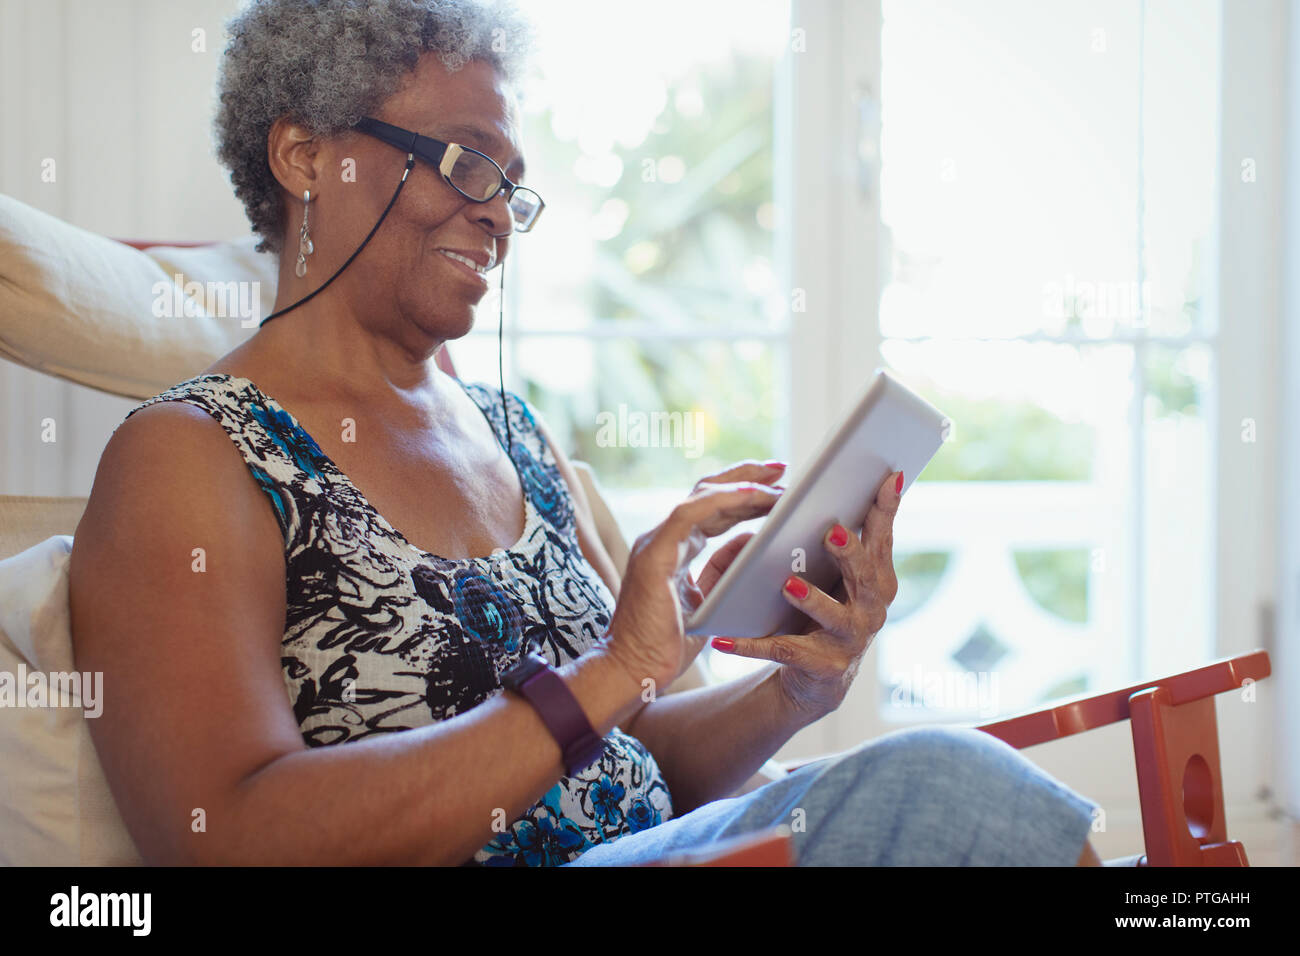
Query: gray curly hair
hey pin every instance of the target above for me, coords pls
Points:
(327, 63)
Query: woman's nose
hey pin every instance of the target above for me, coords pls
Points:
(496, 217)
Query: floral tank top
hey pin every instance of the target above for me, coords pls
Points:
(382, 637)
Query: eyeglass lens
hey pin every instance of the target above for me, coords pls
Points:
(479, 179)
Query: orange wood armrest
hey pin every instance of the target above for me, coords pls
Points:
(767, 848)
(1085, 713)
(1075, 715)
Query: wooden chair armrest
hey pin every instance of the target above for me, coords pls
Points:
(1175, 750)
(1086, 713)
(1075, 715)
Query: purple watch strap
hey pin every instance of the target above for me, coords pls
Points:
(563, 716)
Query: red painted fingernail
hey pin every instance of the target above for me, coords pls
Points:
(796, 587)
(723, 643)
(839, 536)
(898, 485)
(774, 464)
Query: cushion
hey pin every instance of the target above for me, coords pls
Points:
(98, 312)
(26, 520)
(55, 805)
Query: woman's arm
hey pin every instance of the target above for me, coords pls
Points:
(198, 740)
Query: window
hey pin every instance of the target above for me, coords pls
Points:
(1048, 180)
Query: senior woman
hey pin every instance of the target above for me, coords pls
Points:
(312, 641)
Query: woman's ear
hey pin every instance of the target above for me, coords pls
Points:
(294, 154)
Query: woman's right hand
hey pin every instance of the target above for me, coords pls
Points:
(657, 591)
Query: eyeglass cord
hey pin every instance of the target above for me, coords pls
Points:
(501, 298)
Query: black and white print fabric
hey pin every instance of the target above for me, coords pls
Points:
(382, 637)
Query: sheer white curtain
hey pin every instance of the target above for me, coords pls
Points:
(119, 94)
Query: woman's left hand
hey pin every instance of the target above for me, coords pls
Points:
(819, 665)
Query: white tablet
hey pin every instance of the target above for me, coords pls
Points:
(890, 429)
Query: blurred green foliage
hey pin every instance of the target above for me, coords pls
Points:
(1066, 688)
(1002, 441)
(1057, 580)
(695, 253)
(1171, 390)
(919, 574)
(730, 396)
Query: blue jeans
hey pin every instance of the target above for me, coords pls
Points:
(928, 796)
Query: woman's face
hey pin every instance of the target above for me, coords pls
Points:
(405, 268)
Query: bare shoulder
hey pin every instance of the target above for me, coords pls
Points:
(177, 596)
(171, 474)
(170, 456)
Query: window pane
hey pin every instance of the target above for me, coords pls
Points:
(656, 414)
(1057, 581)
(1023, 411)
(658, 174)
(1064, 189)
(1180, 156)
(1010, 161)
(1028, 505)
(1179, 550)
(1016, 198)
(919, 576)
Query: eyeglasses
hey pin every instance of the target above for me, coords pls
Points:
(472, 174)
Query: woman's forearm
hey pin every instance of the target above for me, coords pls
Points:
(710, 740)
(429, 796)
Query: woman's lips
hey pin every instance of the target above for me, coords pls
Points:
(469, 273)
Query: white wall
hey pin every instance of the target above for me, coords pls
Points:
(114, 92)
(1286, 649)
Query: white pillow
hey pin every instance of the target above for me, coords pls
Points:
(55, 805)
(85, 308)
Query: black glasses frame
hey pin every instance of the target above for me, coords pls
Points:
(442, 156)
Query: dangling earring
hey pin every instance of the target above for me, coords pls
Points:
(305, 246)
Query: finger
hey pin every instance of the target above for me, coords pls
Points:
(867, 583)
(764, 472)
(818, 605)
(853, 561)
(807, 653)
(779, 650)
(715, 509)
(721, 559)
(878, 529)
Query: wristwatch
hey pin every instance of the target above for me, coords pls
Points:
(538, 683)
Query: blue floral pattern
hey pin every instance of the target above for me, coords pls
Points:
(381, 637)
(485, 611)
(643, 816)
(607, 799)
(542, 487)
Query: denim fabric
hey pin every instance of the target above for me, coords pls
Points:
(929, 796)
